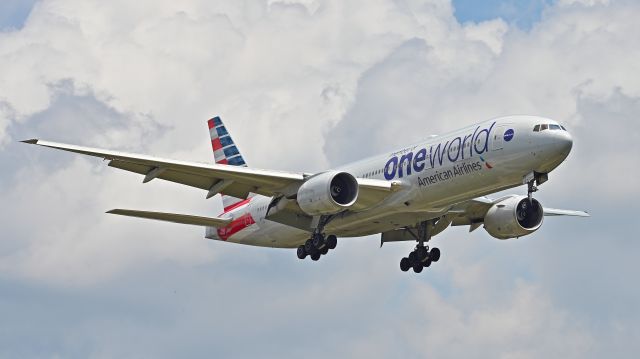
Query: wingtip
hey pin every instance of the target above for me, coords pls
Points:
(33, 141)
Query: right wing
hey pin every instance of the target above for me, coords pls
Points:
(173, 217)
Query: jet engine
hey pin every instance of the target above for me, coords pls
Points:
(328, 193)
(514, 217)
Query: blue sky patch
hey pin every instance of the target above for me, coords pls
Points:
(522, 13)
(14, 13)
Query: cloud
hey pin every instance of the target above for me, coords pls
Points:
(304, 86)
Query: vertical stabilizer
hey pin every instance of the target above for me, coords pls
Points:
(225, 152)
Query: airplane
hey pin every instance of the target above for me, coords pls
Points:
(410, 194)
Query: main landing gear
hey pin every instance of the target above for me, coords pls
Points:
(318, 245)
(421, 257)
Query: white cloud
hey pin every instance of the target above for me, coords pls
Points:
(303, 85)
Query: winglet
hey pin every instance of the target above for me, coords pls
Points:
(33, 141)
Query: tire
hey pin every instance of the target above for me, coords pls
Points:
(332, 241)
(324, 250)
(434, 255)
(413, 258)
(315, 256)
(308, 246)
(422, 254)
(405, 265)
(318, 241)
(302, 253)
(417, 268)
(426, 263)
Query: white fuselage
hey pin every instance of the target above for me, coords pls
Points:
(434, 176)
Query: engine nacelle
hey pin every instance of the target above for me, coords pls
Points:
(514, 217)
(328, 193)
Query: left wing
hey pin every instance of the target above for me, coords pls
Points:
(215, 178)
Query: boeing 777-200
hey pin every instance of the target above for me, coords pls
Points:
(410, 194)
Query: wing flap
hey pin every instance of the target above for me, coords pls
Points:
(174, 217)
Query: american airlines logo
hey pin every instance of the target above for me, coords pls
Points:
(403, 163)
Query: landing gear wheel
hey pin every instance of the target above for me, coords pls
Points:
(405, 264)
(302, 253)
(332, 241)
(308, 246)
(413, 258)
(422, 253)
(318, 241)
(434, 255)
(315, 256)
(426, 263)
(417, 267)
(324, 250)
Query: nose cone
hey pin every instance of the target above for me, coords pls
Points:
(564, 143)
(559, 144)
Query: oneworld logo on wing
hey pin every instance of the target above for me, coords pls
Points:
(508, 135)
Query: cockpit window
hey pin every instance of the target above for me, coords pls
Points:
(544, 127)
(563, 127)
(536, 128)
(554, 127)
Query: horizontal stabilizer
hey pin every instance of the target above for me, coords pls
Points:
(564, 212)
(175, 218)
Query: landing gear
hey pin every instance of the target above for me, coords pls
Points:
(318, 245)
(421, 257)
(531, 187)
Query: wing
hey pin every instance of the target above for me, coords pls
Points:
(565, 212)
(173, 217)
(215, 178)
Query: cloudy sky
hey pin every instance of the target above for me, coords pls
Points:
(304, 85)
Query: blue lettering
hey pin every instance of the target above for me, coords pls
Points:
(439, 154)
(476, 140)
(456, 148)
(405, 158)
(418, 160)
(390, 168)
(464, 142)
(473, 141)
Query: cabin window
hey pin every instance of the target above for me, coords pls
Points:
(536, 128)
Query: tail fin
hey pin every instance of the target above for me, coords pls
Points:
(225, 152)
